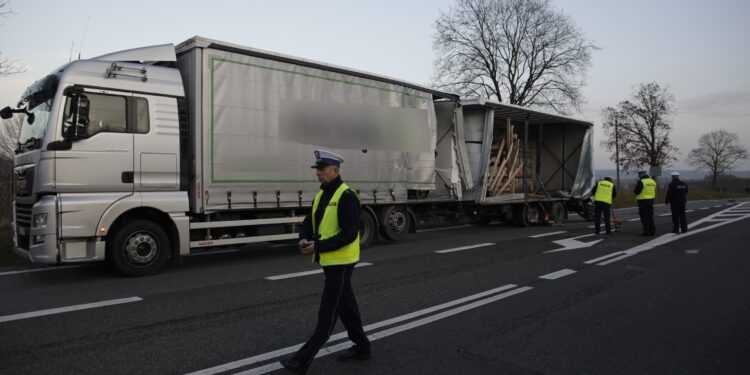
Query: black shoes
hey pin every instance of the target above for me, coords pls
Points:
(294, 366)
(353, 354)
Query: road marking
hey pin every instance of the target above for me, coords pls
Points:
(704, 208)
(547, 234)
(307, 273)
(557, 274)
(60, 310)
(442, 228)
(619, 255)
(52, 268)
(717, 206)
(464, 248)
(394, 330)
(666, 214)
(291, 349)
(573, 243)
(689, 211)
(636, 219)
(691, 251)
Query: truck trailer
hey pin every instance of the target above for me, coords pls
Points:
(155, 153)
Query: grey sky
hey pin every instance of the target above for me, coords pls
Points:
(696, 48)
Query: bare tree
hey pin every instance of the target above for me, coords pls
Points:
(8, 66)
(520, 52)
(643, 126)
(10, 129)
(718, 151)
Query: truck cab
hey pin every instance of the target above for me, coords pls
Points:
(99, 146)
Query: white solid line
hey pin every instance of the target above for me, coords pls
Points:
(453, 227)
(595, 260)
(59, 310)
(557, 274)
(341, 335)
(547, 234)
(307, 273)
(636, 219)
(464, 248)
(665, 214)
(52, 268)
(689, 211)
(398, 329)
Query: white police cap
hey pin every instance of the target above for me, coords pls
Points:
(324, 157)
(675, 173)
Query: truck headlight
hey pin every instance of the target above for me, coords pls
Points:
(40, 221)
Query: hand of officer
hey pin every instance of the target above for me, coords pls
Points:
(309, 249)
(302, 243)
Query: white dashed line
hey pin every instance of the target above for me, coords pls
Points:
(557, 274)
(307, 273)
(636, 219)
(464, 248)
(52, 268)
(547, 234)
(60, 310)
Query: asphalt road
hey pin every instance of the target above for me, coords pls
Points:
(466, 300)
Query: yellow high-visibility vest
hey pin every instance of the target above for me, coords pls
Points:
(329, 227)
(649, 189)
(604, 191)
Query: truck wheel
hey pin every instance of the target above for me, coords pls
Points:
(139, 248)
(558, 213)
(523, 215)
(368, 230)
(395, 223)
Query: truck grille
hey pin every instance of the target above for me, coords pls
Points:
(23, 224)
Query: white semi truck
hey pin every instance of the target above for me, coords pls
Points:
(156, 153)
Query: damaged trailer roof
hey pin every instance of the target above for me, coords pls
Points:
(519, 113)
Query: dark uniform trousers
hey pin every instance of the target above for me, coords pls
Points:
(646, 212)
(338, 301)
(679, 218)
(599, 209)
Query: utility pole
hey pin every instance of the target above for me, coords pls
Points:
(617, 152)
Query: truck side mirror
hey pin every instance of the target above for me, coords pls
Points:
(6, 113)
(77, 118)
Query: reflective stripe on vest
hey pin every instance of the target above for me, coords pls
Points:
(604, 191)
(329, 227)
(649, 189)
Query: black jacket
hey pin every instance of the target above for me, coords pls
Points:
(677, 192)
(348, 211)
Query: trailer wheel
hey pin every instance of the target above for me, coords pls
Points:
(558, 213)
(587, 210)
(524, 215)
(139, 248)
(395, 222)
(368, 229)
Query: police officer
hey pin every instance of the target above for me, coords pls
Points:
(676, 199)
(645, 193)
(604, 192)
(331, 235)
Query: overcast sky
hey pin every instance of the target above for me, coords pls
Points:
(699, 49)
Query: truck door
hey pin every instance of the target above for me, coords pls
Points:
(100, 158)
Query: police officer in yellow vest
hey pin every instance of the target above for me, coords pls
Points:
(604, 192)
(331, 235)
(645, 193)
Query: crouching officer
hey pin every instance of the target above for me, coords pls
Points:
(604, 192)
(645, 193)
(676, 200)
(331, 234)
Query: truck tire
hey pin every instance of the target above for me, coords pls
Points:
(523, 215)
(395, 222)
(368, 229)
(558, 213)
(139, 248)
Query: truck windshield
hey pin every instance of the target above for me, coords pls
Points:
(38, 100)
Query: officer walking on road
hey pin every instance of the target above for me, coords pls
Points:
(676, 199)
(331, 235)
(604, 192)
(645, 193)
